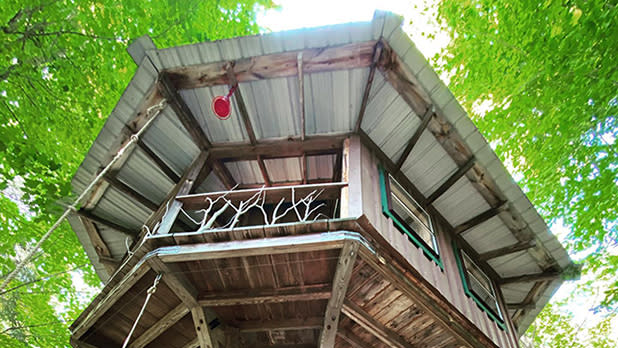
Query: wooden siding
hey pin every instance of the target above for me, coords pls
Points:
(448, 281)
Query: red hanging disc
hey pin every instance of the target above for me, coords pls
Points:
(221, 107)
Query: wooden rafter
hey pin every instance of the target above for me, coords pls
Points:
(242, 108)
(367, 322)
(223, 174)
(513, 248)
(521, 305)
(415, 137)
(350, 56)
(112, 179)
(377, 53)
(341, 281)
(160, 163)
(479, 219)
(167, 321)
(204, 337)
(100, 247)
(255, 296)
(535, 277)
(181, 109)
(351, 339)
(461, 171)
(100, 220)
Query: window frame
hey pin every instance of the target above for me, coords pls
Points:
(498, 317)
(433, 253)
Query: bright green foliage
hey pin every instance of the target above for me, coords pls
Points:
(546, 73)
(63, 66)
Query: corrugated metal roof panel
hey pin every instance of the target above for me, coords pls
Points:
(514, 264)
(273, 107)
(284, 169)
(118, 208)
(141, 174)
(320, 167)
(490, 235)
(211, 184)
(428, 165)
(218, 131)
(461, 202)
(245, 172)
(516, 292)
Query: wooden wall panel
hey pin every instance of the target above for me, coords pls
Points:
(446, 281)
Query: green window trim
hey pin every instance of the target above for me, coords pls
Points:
(480, 303)
(431, 254)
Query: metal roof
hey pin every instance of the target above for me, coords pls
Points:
(332, 102)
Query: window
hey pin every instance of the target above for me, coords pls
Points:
(408, 216)
(478, 286)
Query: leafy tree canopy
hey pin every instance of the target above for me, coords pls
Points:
(63, 66)
(541, 80)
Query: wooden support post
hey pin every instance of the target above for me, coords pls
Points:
(351, 168)
(544, 276)
(479, 219)
(301, 94)
(461, 171)
(167, 321)
(184, 187)
(415, 137)
(384, 334)
(242, 108)
(182, 110)
(377, 53)
(303, 165)
(513, 248)
(165, 168)
(341, 280)
(263, 170)
(204, 336)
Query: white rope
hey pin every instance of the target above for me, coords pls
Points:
(152, 112)
(150, 291)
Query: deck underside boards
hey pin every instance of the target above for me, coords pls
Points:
(269, 299)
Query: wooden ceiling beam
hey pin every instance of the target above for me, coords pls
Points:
(99, 245)
(183, 112)
(535, 277)
(461, 171)
(279, 148)
(165, 168)
(155, 330)
(341, 280)
(507, 250)
(521, 305)
(240, 102)
(224, 174)
(254, 247)
(256, 296)
(351, 339)
(377, 53)
(285, 64)
(367, 322)
(278, 325)
(416, 136)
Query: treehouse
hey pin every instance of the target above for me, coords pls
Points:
(344, 199)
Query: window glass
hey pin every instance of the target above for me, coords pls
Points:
(480, 284)
(406, 209)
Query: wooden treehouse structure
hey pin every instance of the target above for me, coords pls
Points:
(347, 201)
